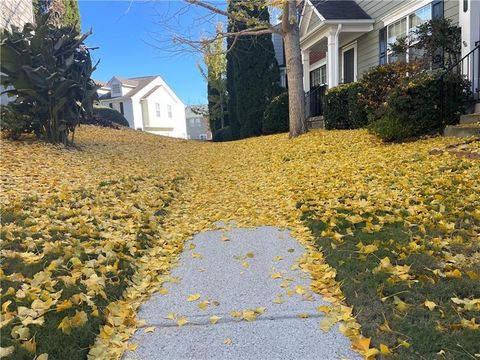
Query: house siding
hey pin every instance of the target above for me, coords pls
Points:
(15, 12)
(368, 45)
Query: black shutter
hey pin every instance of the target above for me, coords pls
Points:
(382, 46)
(437, 9)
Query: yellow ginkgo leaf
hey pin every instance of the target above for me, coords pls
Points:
(30, 345)
(249, 254)
(276, 275)
(300, 290)
(362, 344)
(303, 315)
(214, 319)
(65, 325)
(43, 356)
(430, 305)
(249, 315)
(149, 329)
(203, 304)
(227, 341)
(225, 238)
(182, 321)
(79, 319)
(196, 255)
(171, 316)
(384, 350)
(235, 314)
(163, 291)
(193, 297)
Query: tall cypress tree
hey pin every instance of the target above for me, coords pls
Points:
(232, 73)
(62, 12)
(252, 75)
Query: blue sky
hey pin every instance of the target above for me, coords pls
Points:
(128, 33)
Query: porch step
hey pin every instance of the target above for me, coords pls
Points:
(316, 122)
(467, 130)
(470, 118)
(477, 107)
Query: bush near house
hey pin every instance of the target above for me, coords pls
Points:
(48, 71)
(223, 134)
(342, 108)
(412, 108)
(275, 118)
(106, 117)
(380, 80)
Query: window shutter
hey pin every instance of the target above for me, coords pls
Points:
(382, 46)
(437, 9)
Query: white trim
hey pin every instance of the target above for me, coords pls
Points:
(404, 11)
(352, 45)
(318, 64)
(316, 11)
(350, 21)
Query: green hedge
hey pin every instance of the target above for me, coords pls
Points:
(342, 108)
(413, 107)
(224, 134)
(380, 80)
(275, 118)
(107, 117)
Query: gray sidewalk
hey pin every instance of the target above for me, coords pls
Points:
(236, 276)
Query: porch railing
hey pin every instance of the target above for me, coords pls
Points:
(468, 66)
(315, 101)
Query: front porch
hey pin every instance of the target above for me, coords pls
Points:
(329, 48)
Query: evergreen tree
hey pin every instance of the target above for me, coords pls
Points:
(252, 74)
(62, 12)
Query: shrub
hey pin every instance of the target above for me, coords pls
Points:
(379, 81)
(224, 134)
(342, 109)
(275, 118)
(107, 117)
(413, 107)
(51, 79)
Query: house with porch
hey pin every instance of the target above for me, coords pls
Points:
(341, 40)
(147, 103)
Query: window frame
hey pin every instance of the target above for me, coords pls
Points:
(404, 15)
(158, 112)
(316, 66)
(170, 111)
(350, 46)
(116, 90)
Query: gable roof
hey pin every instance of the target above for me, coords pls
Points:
(340, 10)
(138, 82)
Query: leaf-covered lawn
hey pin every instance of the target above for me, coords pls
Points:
(89, 233)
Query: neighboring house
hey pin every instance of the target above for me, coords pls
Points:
(16, 13)
(198, 127)
(148, 104)
(341, 40)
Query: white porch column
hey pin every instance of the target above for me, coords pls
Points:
(306, 70)
(332, 57)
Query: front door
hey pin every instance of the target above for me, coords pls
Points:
(349, 66)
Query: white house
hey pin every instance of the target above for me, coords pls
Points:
(341, 39)
(148, 104)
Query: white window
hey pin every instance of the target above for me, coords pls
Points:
(157, 109)
(318, 76)
(406, 26)
(116, 89)
(169, 107)
(198, 122)
(192, 122)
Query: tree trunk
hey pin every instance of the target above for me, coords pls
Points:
(293, 55)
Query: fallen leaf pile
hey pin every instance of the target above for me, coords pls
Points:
(89, 233)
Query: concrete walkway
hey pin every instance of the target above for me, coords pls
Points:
(236, 276)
